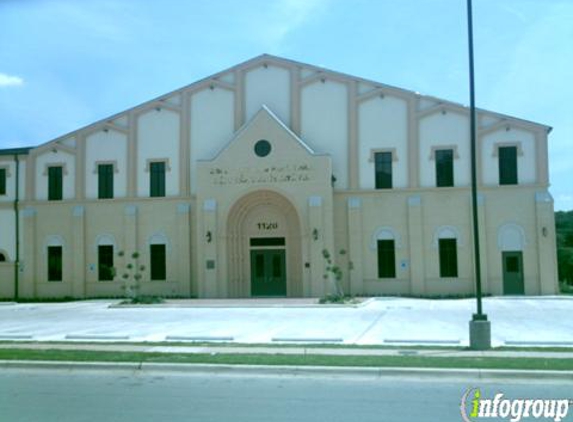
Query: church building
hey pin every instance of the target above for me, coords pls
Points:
(248, 182)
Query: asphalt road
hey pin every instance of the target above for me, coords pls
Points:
(118, 395)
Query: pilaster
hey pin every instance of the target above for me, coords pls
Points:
(355, 242)
(79, 252)
(183, 250)
(416, 244)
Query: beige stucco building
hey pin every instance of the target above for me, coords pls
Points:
(234, 186)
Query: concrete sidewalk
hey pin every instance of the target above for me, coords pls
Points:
(523, 321)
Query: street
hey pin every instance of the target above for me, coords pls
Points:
(120, 395)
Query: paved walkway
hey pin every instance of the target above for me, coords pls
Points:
(524, 321)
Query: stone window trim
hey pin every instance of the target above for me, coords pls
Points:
(390, 150)
(499, 145)
(64, 167)
(447, 232)
(157, 160)
(435, 148)
(7, 168)
(112, 162)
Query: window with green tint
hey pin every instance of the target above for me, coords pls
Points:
(507, 165)
(383, 170)
(2, 181)
(444, 168)
(105, 262)
(448, 258)
(157, 179)
(54, 263)
(55, 183)
(105, 181)
(158, 268)
(386, 259)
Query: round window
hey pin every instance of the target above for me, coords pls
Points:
(262, 148)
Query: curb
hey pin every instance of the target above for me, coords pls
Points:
(284, 370)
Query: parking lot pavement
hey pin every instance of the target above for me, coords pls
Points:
(523, 321)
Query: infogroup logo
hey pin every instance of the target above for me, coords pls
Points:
(474, 407)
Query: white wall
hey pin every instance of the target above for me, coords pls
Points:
(7, 235)
(437, 130)
(269, 86)
(106, 146)
(158, 138)
(383, 124)
(59, 157)
(212, 125)
(324, 124)
(526, 163)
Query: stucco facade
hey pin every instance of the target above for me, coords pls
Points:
(236, 215)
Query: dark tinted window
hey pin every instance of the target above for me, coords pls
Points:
(55, 183)
(444, 167)
(448, 258)
(386, 259)
(383, 170)
(508, 165)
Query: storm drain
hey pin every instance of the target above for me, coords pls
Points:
(420, 341)
(537, 343)
(15, 336)
(307, 340)
(94, 337)
(199, 338)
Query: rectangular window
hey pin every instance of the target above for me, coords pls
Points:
(105, 262)
(105, 181)
(383, 170)
(158, 267)
(507, 165)
(386, 259)
(157, 179)
(444, 168)
(54, 263)
(448, 258)
(55, 183)
(2, 181)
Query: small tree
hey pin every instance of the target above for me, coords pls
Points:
(333, 272)
(131, 275)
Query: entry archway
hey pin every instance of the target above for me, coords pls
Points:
(263, 233)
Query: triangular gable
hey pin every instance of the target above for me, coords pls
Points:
(265, 124)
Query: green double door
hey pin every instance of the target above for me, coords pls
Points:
(512, 273)
(268, 272)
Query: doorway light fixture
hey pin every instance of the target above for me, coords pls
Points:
(315, 234)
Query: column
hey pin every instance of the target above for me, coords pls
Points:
(183, 250)
(355, 242)
(416, 243)
(79, 252)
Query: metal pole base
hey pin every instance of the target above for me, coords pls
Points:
(480, 333)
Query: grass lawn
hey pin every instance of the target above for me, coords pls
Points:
(284, 359)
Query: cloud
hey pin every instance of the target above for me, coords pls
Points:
(9, 80)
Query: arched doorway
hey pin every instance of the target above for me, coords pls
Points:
(264, 247)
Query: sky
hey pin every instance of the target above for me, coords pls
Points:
(67, 63)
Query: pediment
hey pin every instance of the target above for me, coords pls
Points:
(264, 138)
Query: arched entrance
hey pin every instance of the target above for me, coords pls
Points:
(264, 247)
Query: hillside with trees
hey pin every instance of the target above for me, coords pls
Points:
(564, 229)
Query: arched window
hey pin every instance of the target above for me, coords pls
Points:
(158, 244)
(447, 239)
(105, 251)
(385, 240)
(3, 256)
